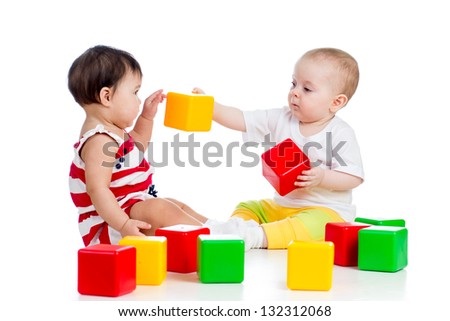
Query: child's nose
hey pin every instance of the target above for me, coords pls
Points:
(295, 92)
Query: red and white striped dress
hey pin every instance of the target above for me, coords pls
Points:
(131, 178)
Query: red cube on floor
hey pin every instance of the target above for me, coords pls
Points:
(282, 164)
(344, 235)
(106, 270)
(182, 246)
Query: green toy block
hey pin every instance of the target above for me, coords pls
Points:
(381, 222)
(383, 248)
(220, 258)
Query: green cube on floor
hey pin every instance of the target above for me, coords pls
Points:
(220, 258)
(383, 248)
(381, 221)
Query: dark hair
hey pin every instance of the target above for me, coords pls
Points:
(99, 67)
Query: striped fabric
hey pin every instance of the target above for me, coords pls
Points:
(131, 178)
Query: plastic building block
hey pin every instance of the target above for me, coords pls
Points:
(310, 265)
(383, 248)
(381, 221)
(282, 164)
(220, 258)
(151, 258)
(344, 236)
(189, 112)
(182, 246)
(106, 270)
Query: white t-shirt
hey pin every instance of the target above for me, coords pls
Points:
(335, 147)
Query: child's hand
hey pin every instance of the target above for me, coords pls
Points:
(197, 90)
(133, 227)
(310, 178)
(151, 104)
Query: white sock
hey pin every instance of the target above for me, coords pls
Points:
(210, 222)
(255, 238)
(216, 227)
(252, 233)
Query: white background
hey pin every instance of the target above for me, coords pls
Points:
(242, 53)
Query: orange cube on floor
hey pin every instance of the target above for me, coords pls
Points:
(310, 265)
(189, 112)
(151, 258)
(106, 270)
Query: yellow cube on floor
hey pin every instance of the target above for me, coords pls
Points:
(310, 265)
(151, 258)
(189, 112)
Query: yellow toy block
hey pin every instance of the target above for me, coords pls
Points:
(310, 265)
(189, 112)
(151, 258)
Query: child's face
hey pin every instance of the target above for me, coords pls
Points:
(313, 90)
(125, 101)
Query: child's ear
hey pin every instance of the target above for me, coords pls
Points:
(105, 96)
(339, 102)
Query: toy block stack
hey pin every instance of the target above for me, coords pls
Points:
(220, 258)
(182, 246)
(189, 112)
(106, 270)
(383, 248)
(282, 164)
(310, 265)
(344, 236)
(151, 258)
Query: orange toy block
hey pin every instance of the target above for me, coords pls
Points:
(151, 258)
(189, 112)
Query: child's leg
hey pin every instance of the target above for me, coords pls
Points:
(160, 212)
(262, 211)
(245, 222)
(281, 225)
(188, 210)
(307, 224)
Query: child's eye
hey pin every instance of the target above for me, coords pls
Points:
(293, 84)
(306, 89)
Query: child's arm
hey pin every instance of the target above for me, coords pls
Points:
(328, 179)
(143, 128)
(98, 172)
(230, 117)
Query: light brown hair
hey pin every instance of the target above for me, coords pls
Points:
(346, 65)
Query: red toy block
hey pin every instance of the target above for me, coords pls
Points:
(106, 270)
(282, 164)
(344, 235)
(182, 246)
